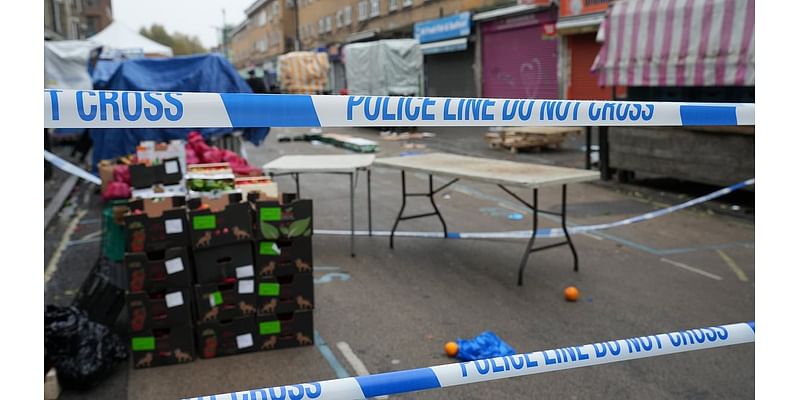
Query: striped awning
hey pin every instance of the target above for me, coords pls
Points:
(677, 43)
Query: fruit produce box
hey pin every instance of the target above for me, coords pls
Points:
(214, 177)
(291, 218)
(156, 224)
(166, 173)
(219, 221)
(261, 187)
(159, 309)
(227, 337)
(220, 263)
(281, 258)
(278, 331)
(157, 347)
(285, 294)
(220, 301)
(170, 268)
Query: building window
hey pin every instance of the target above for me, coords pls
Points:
(276, 9)
(289, 3)
(363, 10)
(328, 23)
(375, 8)
(339, 18)
(394, 5)
(262, 18)
(348, 15)
(408, 3)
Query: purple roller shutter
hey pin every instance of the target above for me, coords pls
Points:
(519, 61)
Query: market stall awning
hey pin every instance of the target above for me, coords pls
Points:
(677, 43)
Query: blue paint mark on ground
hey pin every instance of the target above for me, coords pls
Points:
(328, 355)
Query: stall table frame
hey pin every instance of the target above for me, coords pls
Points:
(337, 164)
(502, 173)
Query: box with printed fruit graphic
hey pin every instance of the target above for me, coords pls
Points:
(285, 294)
(157, 347)
(219, 221)
(220, 263)
(284, 221)
(169, 268)
(226, 337)
(281, 258)
(156, 224)
(278, 331)
(230, 299)
(158, 309)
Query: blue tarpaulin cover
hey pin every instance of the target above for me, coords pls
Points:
(203, 73)
(485, 345)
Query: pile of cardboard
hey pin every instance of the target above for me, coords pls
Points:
(217, 273)
(525, 138)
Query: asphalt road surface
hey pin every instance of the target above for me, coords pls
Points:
(388, 310)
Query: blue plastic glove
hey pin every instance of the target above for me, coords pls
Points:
(485, 345)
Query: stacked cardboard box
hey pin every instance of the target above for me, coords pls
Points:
(159, 270)
(225, 289)
(283, 258)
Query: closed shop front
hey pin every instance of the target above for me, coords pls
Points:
(583, 84)
(449, 55)
(519, 56)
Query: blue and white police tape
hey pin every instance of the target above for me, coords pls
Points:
(70, 168)
(463, 373)
(131, 109)
(549, 232)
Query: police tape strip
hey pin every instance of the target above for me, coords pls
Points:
(455, 374)
(549, 232)
(133, 109)
(70, 168)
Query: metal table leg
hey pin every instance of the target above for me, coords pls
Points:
(431, 192)
(369, 200)
(352, 215)
(564, 225)
(296, 177)
(529, 247)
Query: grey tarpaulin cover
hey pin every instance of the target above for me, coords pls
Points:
(383, 67)
(66, 64)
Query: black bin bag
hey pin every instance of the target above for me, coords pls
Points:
(83, 352)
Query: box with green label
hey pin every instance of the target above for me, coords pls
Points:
(285, 294)
(156, 224)
(157, 347)
(286, 220)
(219, 221)
(279, 331)
(169, 268)
(230, 299)
(274, 258)
(227, 337)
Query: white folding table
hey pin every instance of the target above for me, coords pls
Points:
(346, 164)
(499, 172)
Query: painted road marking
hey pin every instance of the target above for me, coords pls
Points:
(732, 264)
(52, 266)
(693, 269)
(355, 362)
(328, 355)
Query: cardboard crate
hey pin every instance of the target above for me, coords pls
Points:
(161, 224)
(289, 219)
(227, 337)
(222, 301)
(285, 294)
(168, 269)
(225, 220)
(281, 258)
(278, 331)
(159, 309)
(167, 173)
(220, 263)
(172, 345)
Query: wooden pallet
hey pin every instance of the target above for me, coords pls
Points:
(524, 138)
